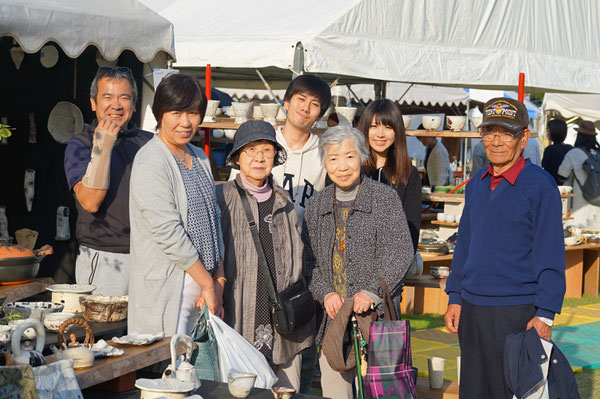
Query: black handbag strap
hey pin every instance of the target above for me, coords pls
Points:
(262, 260)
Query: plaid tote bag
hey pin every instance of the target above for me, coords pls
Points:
(390, 373)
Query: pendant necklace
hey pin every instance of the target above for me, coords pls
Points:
(338, 218)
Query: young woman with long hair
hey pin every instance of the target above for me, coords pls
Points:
(388, 161)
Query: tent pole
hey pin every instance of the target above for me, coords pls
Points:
(521, 86)
(267, 86)
(298, 63)
(207, 79)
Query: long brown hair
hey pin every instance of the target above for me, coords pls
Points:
(397, 165)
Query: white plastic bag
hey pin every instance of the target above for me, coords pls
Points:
(237, 353)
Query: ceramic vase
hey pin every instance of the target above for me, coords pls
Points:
(242, 111)
(3, 224)
(211, 111)
(322, 123)
(32, 129)
(29, 188)
(270, 112)
(63, 232)
(345, 115)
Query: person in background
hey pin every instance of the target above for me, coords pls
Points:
(176, 240)
(555, 152)
(388, 162)
(355, 231)
(571, 171)
(437, 163)
(246, 300)
(97, 164)
(508, 269)
(306, 99)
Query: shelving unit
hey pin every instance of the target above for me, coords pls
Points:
(453, 205)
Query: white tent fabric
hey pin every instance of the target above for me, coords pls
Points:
(110, 25)
(464, 43)
(586, 106)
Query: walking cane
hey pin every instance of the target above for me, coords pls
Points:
(356, 338)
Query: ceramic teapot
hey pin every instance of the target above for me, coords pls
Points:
(81, 354)
(33, 357)
(17, 253)
(182, 369)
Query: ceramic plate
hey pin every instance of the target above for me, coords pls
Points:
(75, 288)
(138, 339)
(101, 348)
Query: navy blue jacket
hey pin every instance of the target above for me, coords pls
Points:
(510, 247)
(523, 355)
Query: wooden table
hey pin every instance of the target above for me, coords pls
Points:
(449, 390)
(218, 390)
(22, 291)
(134, 358)
(421, 287)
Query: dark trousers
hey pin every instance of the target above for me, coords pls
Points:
(481, 333)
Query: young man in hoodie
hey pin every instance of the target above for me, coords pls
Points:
(302, 175)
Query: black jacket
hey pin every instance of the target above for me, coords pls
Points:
(523, 355)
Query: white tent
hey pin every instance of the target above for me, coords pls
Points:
(110, 25)
(586, 106)
(465, 43)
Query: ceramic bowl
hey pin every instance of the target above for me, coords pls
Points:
(230, 133)
(240, 384)
(456, 123)
(229, 111)
(406, 119)
(476, 121)
(242, 111)
(432, 123)
(270, 112)
(573, 240)
(450, 218)
(283, 392)
(345, 115)
(257, 112)
(441, 217)
(211, 111)
(440, 271)
(35, 310)
(54, 320)
(218, 133)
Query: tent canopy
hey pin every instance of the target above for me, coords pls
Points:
(586, 106)
(463, 43)
(110, 25)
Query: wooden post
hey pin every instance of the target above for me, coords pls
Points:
(207, 79)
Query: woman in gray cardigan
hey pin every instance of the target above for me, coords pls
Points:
(246, 299)
(355, 231)
(176, 242)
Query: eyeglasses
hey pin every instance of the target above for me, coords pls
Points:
(267, 152)
(488, 135)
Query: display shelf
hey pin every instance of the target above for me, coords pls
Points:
(447, 224)
(444, 197)
(567, 195)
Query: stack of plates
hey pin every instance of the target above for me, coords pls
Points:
(433, 247)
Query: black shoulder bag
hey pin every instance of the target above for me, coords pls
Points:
(291, 308)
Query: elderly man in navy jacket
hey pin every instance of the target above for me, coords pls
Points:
(508, 270)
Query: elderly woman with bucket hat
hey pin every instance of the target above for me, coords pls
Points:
(571, 169)
(355, 232)
(264, 254)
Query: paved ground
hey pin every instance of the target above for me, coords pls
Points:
(576, 332)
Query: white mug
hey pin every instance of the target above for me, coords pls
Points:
(436, 372)
(441, 217)
(574, 240)
(450, 218)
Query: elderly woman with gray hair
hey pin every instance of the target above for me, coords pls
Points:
(354, 231)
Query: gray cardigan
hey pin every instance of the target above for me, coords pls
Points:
(378, 243)
(161, 250)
